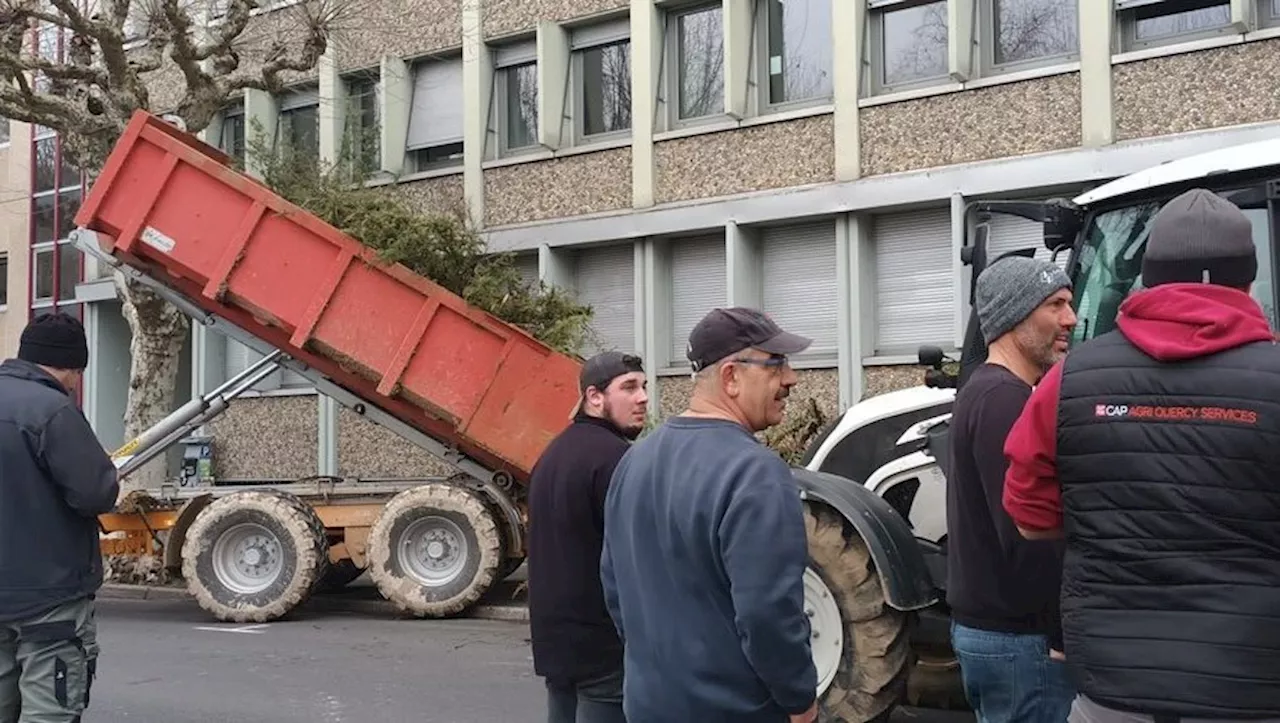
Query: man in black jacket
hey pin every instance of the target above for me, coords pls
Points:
(1002, 589)
(55, 479)
(575, 644)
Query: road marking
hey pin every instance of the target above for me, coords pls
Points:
(246, 629)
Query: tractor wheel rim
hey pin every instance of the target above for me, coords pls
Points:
(826, 628)
(248, 558)
(433, 550)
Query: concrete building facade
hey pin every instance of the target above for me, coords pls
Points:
(810, 157)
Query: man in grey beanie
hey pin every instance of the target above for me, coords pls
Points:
(1003, 589)
(1151, 452)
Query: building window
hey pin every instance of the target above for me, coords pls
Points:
(298, 126)
(798, 38)
(1027, 32)
(231, 133)
(435, 119)
(57, 191)
(4, 280)
(520, 105)
(1145, 24)
(909, 44)
(600, 70)
(699, 62)
(362, 141)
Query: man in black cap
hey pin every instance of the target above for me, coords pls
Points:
(55, 479)
(705, 545)
(575, 646)
(1153, 450)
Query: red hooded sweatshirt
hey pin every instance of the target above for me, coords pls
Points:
(1171, 322)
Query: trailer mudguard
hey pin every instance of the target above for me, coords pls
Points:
(899, 562)
(178, 533)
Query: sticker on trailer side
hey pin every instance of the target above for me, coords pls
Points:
(154, 238)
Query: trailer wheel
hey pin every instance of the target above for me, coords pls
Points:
(254, 556)
(861, 646)
(434, 550)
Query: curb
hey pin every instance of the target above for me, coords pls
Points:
(331, 603)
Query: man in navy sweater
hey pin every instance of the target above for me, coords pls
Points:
(705, 546)
(575, 646)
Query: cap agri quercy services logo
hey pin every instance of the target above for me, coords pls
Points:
(1176, 413)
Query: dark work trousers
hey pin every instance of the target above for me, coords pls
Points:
(595, 700)
(47, 665)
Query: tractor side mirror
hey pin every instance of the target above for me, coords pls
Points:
(931, 356)
(1062, 222)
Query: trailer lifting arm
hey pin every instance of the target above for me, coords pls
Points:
(188, 417)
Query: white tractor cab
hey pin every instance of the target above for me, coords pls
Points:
(881, 465)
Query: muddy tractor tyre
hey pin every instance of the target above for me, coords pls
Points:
(254, 556)
(861, 646)
(338, 575)
(435, 550)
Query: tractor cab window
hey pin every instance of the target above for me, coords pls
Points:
(1111, 259)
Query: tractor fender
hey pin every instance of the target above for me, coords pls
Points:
(178, 533)
(904, 575)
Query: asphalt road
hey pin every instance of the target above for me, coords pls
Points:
(166, 661)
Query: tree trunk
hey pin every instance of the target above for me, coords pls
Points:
(159, 332)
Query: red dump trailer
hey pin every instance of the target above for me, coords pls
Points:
(483, 395)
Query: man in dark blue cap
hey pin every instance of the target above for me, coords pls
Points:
(575, 646)
(55, 479)
(705, 544)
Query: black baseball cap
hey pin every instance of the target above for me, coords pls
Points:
(603, 368)
(725, 331)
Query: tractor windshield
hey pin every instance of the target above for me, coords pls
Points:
(1110, 258)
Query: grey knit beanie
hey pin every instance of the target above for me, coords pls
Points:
(1011, 288)
(1200, 237)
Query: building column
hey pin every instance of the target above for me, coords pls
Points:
(862, 305)
(744, 267)
(848, 30)
(1097, 114)
(261, 113)
(332, 134)
(556, 267)
(477, 84)
(333, 106)
(646, 60)
(653, 302)
(848, 318)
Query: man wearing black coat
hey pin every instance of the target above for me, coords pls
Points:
(576, 647)
(55, 479)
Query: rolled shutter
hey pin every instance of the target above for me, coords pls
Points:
(915, 293)
(435, 119)
(698, 285)
(799, 283)
(601, 33)
(606, 281)
(240, 357)
(527, 265)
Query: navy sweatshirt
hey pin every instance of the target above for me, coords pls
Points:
(702, 569)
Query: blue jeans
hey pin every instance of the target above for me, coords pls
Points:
(1009, 678)
(597, 700)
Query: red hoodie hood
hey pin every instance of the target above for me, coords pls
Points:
(1184, 321)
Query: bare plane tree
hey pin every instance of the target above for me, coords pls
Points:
(89, 79)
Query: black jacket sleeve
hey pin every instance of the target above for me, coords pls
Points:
(77, 463)
(1000, 409)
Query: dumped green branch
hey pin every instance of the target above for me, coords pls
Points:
(440, 247)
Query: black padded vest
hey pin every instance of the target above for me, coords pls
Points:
(1171, 493)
